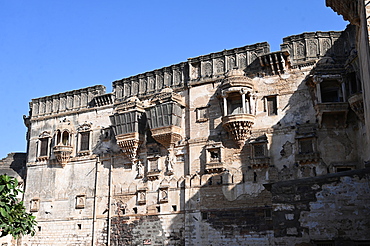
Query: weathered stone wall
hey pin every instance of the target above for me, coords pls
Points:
(227, 124)
(332, 207)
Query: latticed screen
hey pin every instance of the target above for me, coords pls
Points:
(166, 114)
(44, 146)
(125, 123)
(85, 138)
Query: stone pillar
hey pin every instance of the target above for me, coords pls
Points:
(344, 92)
(243, 101)
(318, 93)
(224, 96)
(252, 103)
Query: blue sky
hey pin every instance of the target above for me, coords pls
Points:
(48, 47)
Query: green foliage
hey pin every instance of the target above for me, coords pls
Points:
(14, 220)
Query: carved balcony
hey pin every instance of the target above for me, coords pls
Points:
(214, 167)
(128, 124)
(167, 135)
(239, 125)
(62, 153)
(153, 174)
(129, 144)
(335, 112)
(356, 103)
(260, 162)
(307, 158)
(165, 117)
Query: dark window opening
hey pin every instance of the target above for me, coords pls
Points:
(174, 208)
(79, 226)
(44, 146)
(259, 150)
(65, 138)
(158, 209)
(202, 114)
(254, 176)
(331, 92)
(39, 228)
(271, 105)
(215, 155)
(354, 83)
(85, 140)
(234, 102)
(135, 210)
(268, 214)
(343, 169)
(305, 146)
(204, 215)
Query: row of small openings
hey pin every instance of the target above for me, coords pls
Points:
(267, 213)
(174, 209)
(79, 227)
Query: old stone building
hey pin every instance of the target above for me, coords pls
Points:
(239, 147)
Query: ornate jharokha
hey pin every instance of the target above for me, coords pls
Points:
(165, 117)
(128, 126)
(238, 106)
(63, 139)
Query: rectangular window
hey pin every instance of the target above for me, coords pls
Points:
(202, 114)
(271, 105)
(153, 165)
(305, 146)
(84, 141)
(259, 150)
(44, 144)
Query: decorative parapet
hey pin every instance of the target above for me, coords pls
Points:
(216, 65)
(102, 100)
(65, 102)
(144, 85)
(356, 103)
(310, 46)
(274, 63)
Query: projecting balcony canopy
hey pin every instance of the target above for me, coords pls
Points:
(128, 124)
(165, 117)
(236, 78)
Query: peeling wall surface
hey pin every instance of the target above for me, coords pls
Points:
(332, 207)
(238, 147)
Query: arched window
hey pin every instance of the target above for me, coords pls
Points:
(65, 138)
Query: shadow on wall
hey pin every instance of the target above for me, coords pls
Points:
(230, 200)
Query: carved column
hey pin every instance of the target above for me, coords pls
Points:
(224, 97)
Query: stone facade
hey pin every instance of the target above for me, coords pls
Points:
(239, 147)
